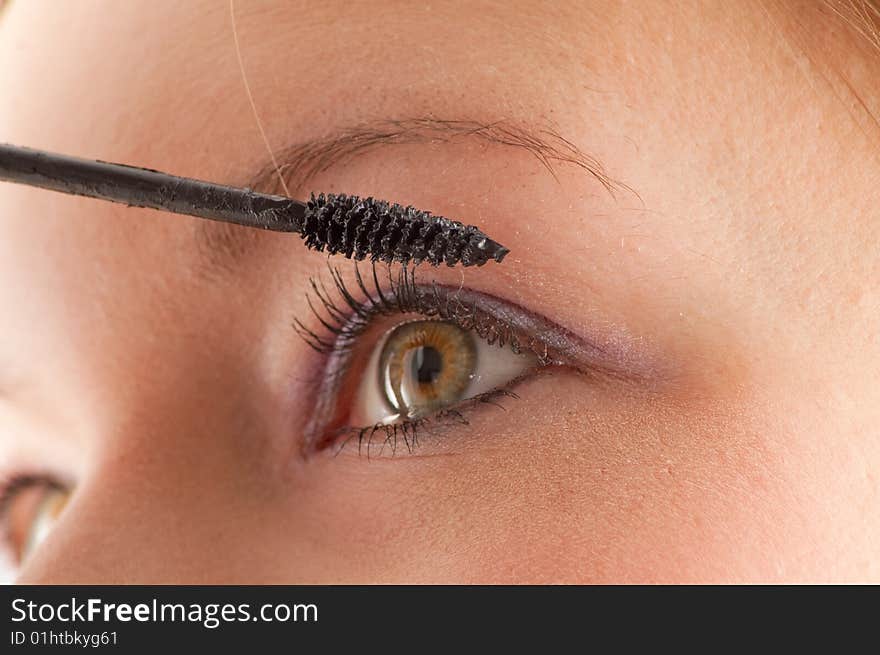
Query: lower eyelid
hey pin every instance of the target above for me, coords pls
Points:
(446, 433)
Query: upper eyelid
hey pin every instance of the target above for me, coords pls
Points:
(553, 344)
(467, 308)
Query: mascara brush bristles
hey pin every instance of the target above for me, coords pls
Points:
(359, 227)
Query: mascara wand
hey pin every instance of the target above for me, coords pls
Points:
(341, 224)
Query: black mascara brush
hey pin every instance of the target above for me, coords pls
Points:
(347, 225)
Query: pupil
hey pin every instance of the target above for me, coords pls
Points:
(427, 365)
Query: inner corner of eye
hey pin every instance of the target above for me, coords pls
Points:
(422, 366)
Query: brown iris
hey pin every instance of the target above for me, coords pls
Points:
(425, 366)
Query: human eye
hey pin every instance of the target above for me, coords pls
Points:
(29, 507)
(404, 357)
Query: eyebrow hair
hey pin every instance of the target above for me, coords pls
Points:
(225, 244)
(301, 162)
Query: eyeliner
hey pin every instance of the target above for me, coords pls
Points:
(351, 226)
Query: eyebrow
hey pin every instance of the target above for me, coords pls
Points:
(301, 162)
(224, 245)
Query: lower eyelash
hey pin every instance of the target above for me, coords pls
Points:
(390, 435)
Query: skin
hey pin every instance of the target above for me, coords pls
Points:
(736, 272)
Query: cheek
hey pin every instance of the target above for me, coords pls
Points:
(595, 489)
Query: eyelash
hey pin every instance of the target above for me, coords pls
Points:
(346, 319)
(402, 296)
(410, 429)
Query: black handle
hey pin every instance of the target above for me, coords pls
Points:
(143, 187)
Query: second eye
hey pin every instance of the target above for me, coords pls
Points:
(423, 366)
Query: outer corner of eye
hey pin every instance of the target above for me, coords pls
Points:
(423, 366)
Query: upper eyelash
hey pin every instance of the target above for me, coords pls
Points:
(402, 295)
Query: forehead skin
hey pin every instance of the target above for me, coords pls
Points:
(736, 259)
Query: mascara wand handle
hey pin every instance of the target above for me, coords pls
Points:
(143, 187)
